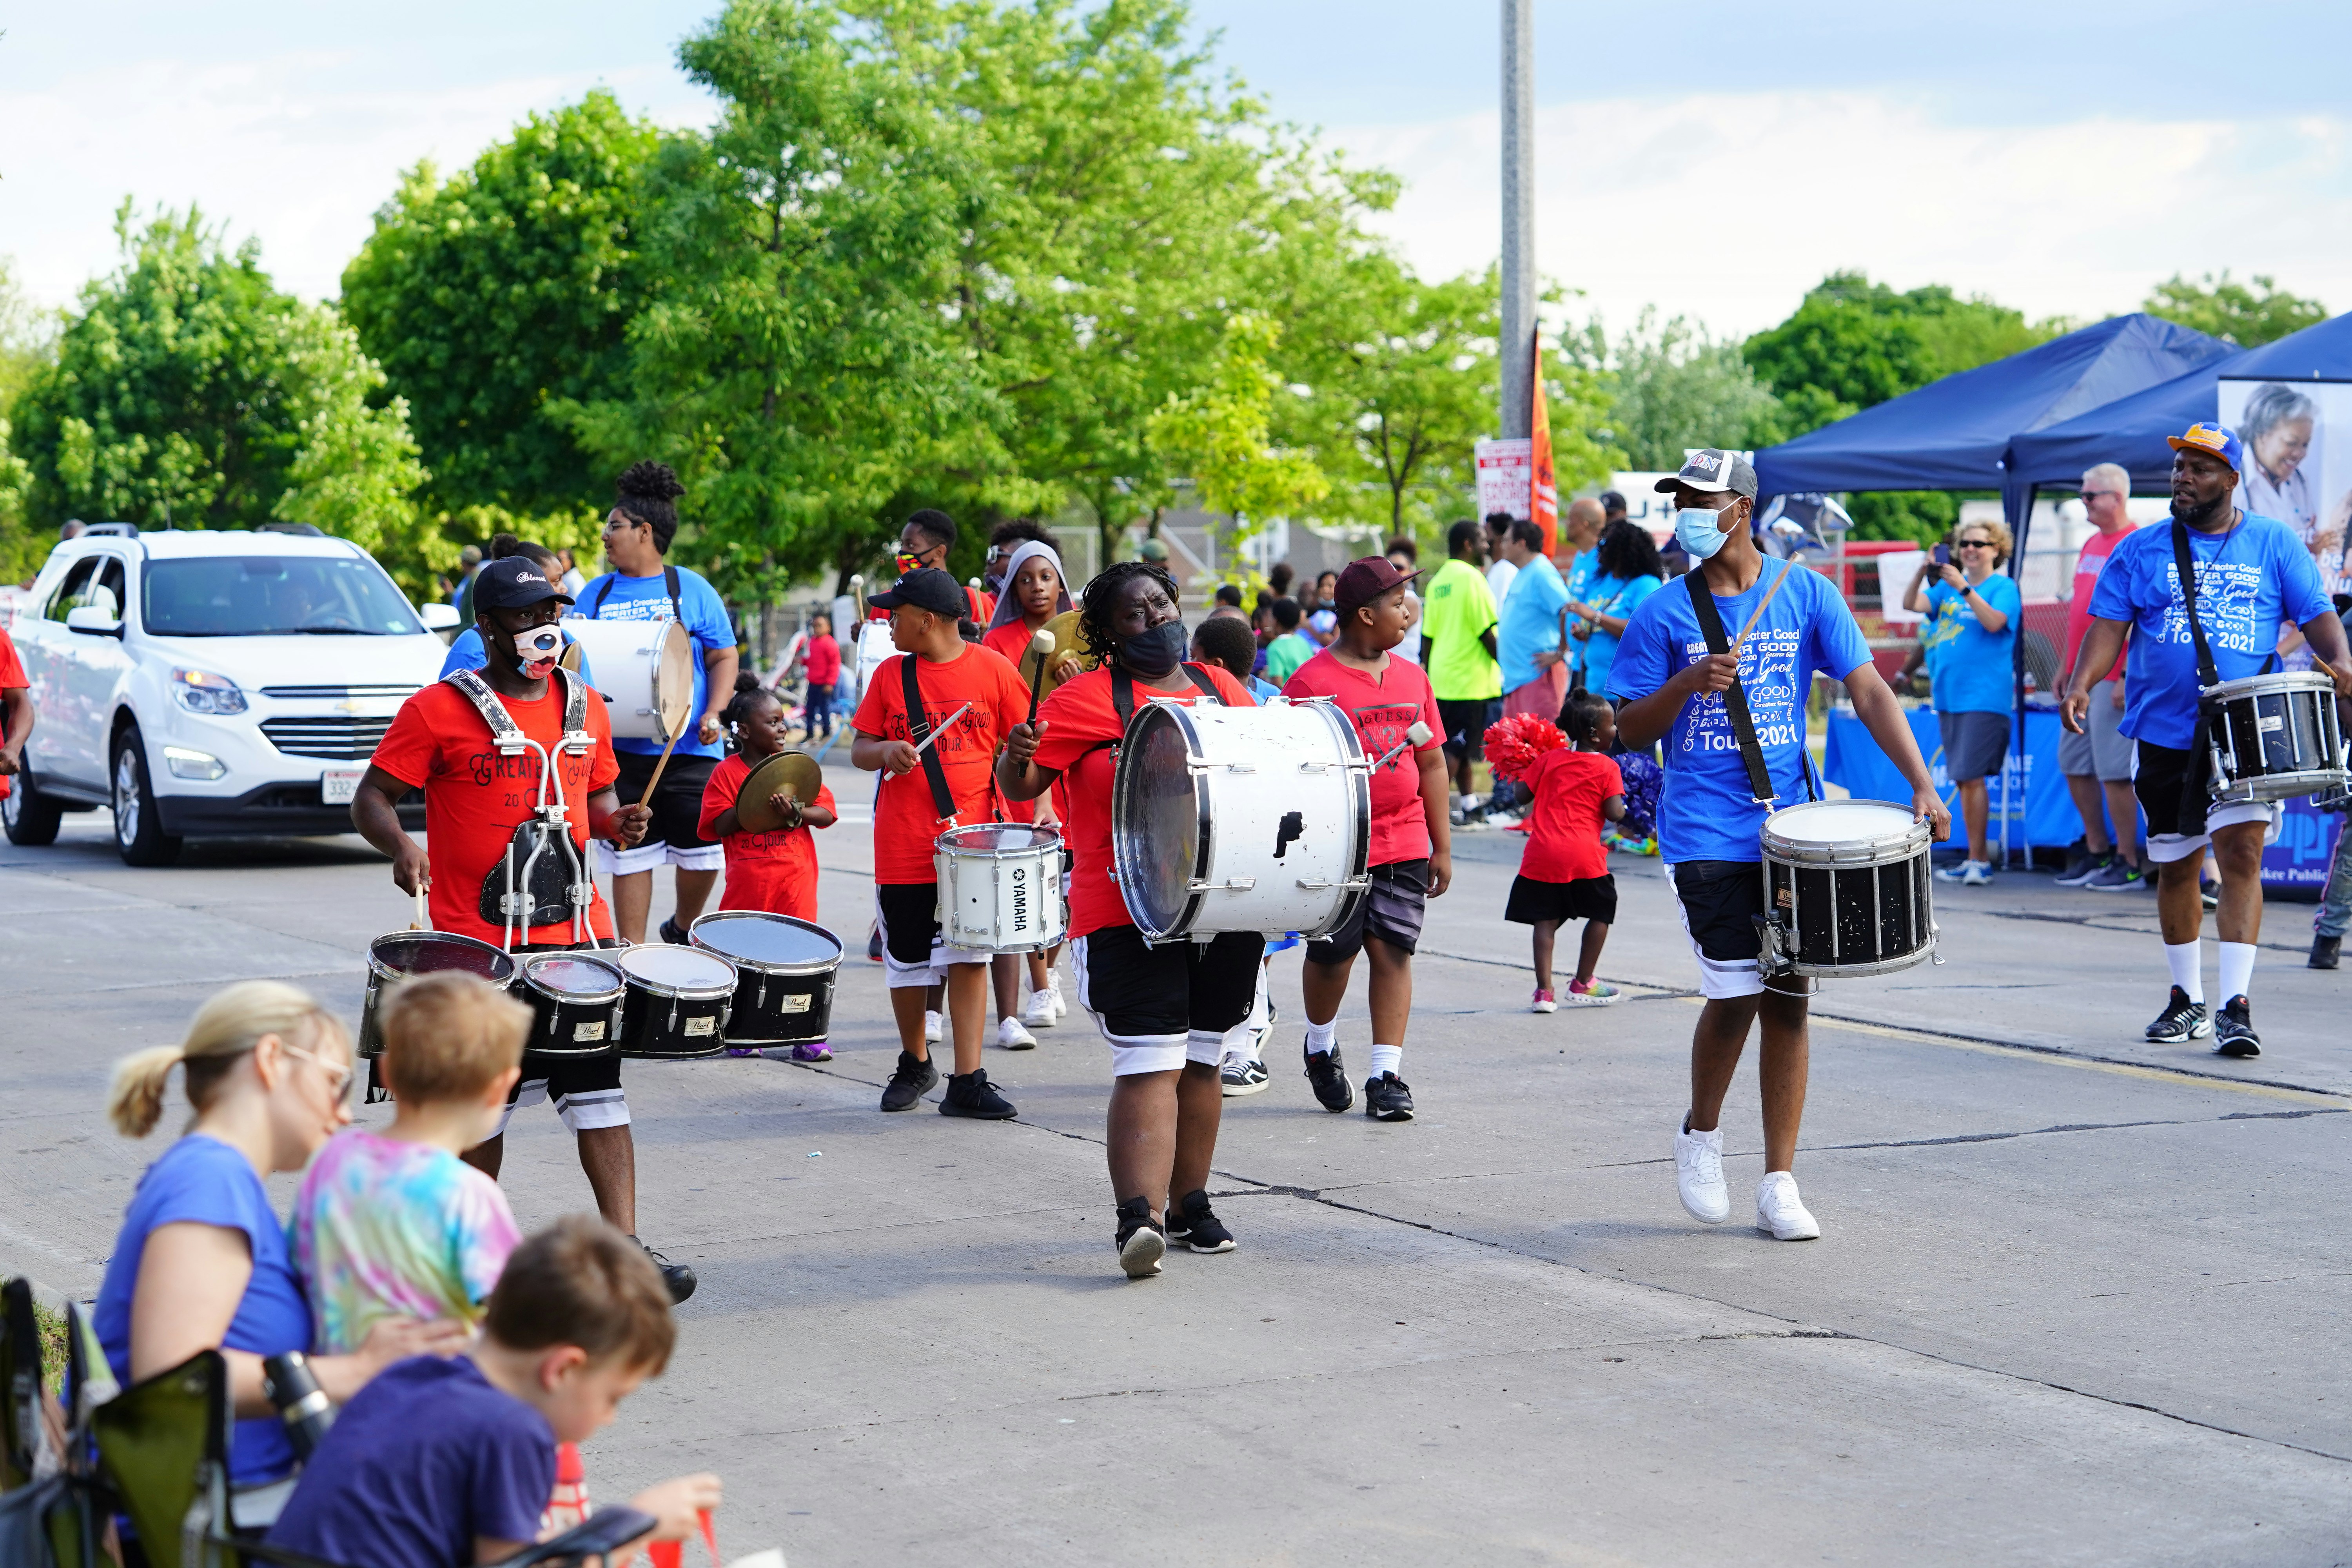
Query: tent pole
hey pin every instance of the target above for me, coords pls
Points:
(2016, 677)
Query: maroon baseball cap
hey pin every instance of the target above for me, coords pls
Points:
(1366, 580)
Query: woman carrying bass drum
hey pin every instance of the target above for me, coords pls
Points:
(1164, 1010)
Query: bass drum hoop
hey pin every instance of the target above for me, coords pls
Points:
(761, 966)
(384, 971)
(575, 998)
(1126, 854)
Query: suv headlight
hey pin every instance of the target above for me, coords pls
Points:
(201, 691)
(185, 763)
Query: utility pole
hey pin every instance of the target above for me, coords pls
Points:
(1518, 214)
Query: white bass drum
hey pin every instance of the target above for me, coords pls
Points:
(1241, 819)
(645, 669)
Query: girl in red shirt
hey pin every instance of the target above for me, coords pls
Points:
(1035, 592)
(1564, 870)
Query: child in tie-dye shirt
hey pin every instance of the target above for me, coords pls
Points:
(394, 1223)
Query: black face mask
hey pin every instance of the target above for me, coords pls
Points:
(1154, 653)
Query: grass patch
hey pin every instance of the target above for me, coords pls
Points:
(52, 1326)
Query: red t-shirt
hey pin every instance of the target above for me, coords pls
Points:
(1384, 708)
(2087, 567)
(823, 661)
(12, 679)
(906, 819)
(1078, 716)
(475, 798)
(1571, 787)
(774, 871)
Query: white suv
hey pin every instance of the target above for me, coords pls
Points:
(210, 683)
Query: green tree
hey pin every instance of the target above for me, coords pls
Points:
(189, 390)
(27, 343)
(1670, 387)
(1220, 436)
(503, 289)
(2231, 310)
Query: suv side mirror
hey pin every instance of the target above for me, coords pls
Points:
(92, 619)
(438, 618)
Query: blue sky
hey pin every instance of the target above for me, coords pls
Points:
(2060, 157)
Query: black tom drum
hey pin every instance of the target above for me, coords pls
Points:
(575, 1003)
(785, 969)
(393, 958)
(677, 1003)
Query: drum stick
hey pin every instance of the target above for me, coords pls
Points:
(421, 922)
(938, 730)
(654, 783)
(1416, 736)
(1042, 644)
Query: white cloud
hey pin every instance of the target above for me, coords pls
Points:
(2074, 218)
(273, 147)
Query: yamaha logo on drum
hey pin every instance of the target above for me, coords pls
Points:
(1020, 898)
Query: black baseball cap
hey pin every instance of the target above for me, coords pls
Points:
(925, 588)
(513, 583)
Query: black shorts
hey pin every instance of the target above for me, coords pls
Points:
(1390, 911)
(912, 951)
(676, 805)
(2158, 776)
(1141, 993)
(1466, 726)
(1721, 899)
(1586, 899)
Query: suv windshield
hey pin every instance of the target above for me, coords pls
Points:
(273, 595)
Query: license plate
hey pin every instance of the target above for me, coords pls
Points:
(338, 786)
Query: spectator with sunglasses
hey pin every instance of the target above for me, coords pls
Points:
(1971, 683)
(927, 540)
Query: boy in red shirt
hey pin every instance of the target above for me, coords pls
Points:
(1412, 855)
(821, 667)
(950, 783)
(1564, 871)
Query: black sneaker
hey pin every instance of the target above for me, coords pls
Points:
(1142, 1241)
(2233, 1031)
(671, 933)
(915, 1079)
(1193, 1224)
(1328, 1074)
(2080, 864)
(1386, 1099)
(2325, 951)
(2181, 1022)
(970, 1094)
(676, 1277)
(2209, 892)
(874, 945)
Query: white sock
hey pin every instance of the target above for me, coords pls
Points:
(1322, 1037)
(1386, 1058)
(2181, 958)
(2236, 970)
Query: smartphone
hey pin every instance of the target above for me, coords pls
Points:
(1943, 555)
(606, 1531)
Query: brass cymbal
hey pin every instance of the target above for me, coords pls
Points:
(1064, 628)
(795, 773)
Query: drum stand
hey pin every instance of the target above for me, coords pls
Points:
(555, 816)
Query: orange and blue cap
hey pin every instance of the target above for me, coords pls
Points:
(2218, 440)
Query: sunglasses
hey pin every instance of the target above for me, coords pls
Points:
(2088, 496)
(1976, 544)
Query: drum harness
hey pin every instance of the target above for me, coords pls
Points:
(548, 894)
(1776, 957)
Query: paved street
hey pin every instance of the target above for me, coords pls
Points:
(2078, 1298)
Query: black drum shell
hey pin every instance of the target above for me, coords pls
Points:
(1828, 913)
(776, 1004)
(557, 1022)
(650, 1028)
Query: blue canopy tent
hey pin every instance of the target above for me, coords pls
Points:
(1951, 435)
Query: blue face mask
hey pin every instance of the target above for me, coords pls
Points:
(1697, 531)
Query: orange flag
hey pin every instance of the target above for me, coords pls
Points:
(1543, 493)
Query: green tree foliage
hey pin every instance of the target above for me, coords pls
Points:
(1670, 387)
(2247, 317)
(505, 287)
(188, 390)
(1221, 436)
(27, 343)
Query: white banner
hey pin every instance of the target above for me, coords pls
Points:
(2298, 439)
(1644, 505)
(1505, 470)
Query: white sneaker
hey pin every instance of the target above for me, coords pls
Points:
(932, 1028)
(1011, 1036)
(1779, 1210)
(1041, 1013)
(1061, 1008)
(1698, 1176)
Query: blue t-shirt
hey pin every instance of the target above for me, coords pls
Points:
(1705, 812)
(1971, 671)
(1530, 621)
(465, 653)
(424, 1458)
(202, 1180)
(647, 599)
(1610, 596)
(2249, 580)
(1582, 576)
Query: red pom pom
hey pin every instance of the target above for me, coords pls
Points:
(1514, 744)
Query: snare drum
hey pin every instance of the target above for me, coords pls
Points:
(405, 953)
(1241, 819)
(645, 669)
(785, 970)
(1001, 886)
(575, 1004)
(676, 1001)
(2275, 737)
(1846, 885)
(873, 650)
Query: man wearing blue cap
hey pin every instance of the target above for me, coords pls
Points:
(2247, 574)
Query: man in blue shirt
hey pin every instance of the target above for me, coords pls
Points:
(643, 587)
(1527, 636)
(1785, 623)
(2251, 573)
